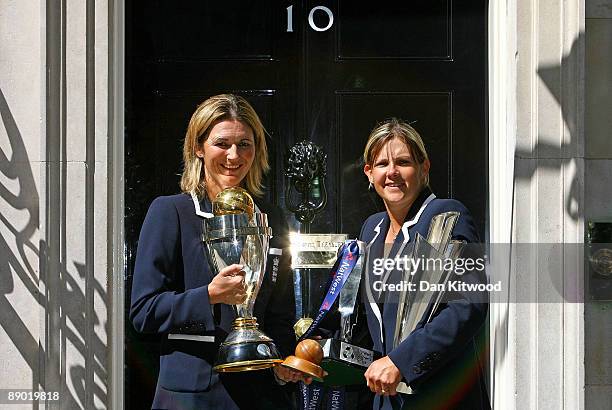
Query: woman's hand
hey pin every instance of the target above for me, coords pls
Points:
(383, 377)
(228, 286)
(287, 375)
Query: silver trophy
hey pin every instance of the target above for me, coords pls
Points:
(312, 254)
(413, 304)
(238, 235)
(312, 257)
(343, 361)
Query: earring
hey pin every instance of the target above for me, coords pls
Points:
(370, 186)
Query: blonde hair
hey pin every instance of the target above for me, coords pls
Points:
(395, 128)
(215, 109)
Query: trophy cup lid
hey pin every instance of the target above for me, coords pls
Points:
(234, 200)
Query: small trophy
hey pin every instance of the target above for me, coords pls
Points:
(344, 361)
(312, 258)
(312, 254)
(239, 235)
(412, 305)
(307, 359)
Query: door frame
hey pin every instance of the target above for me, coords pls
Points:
(502, 114)
(502, 140)
(117, 262)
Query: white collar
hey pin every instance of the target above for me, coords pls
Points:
(198, 210)
(377, 230)
(416, 217)
(203, 214)
(406, 224)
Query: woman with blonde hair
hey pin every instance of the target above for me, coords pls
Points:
(438, 360)
(174, 291)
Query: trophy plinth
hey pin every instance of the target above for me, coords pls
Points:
(237, 235)
(345, 362)
(308, 356)
(246, 348)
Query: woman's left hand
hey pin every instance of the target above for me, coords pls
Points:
(383, 377)
(289, 375)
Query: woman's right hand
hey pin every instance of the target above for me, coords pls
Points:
(228, 286)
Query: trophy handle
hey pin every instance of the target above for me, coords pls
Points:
(441, 230)
(453, 251)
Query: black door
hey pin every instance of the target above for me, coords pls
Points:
(330, 82)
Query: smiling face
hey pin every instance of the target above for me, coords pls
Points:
(228, 154)
(397, 177)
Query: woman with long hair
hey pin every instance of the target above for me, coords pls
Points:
(174, 291)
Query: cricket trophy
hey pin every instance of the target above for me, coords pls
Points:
(239, 235)
(413, 304)
(345, 362)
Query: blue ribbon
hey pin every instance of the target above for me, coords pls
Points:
(335, 399)
(312, 394)
(340, 271)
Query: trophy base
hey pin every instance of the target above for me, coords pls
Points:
(345, 363)
(304, 366)
(246, 348)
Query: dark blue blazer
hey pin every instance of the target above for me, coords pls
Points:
(439, 360)
(170, 296)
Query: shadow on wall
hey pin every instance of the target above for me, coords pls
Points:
(18, 251)
(560, 155)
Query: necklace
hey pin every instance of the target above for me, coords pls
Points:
(390, 239)
(394, 232)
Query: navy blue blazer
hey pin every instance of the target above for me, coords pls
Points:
(439, 360)
(170, 297)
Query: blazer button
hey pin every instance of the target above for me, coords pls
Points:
(416, 369)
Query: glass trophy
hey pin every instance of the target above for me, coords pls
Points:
(413, 304)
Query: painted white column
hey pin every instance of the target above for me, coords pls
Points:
(76, 203)
(55, 240)
(22, 166)
(502, 141)
(542, 362)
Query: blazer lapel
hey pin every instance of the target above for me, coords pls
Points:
(376, 248)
